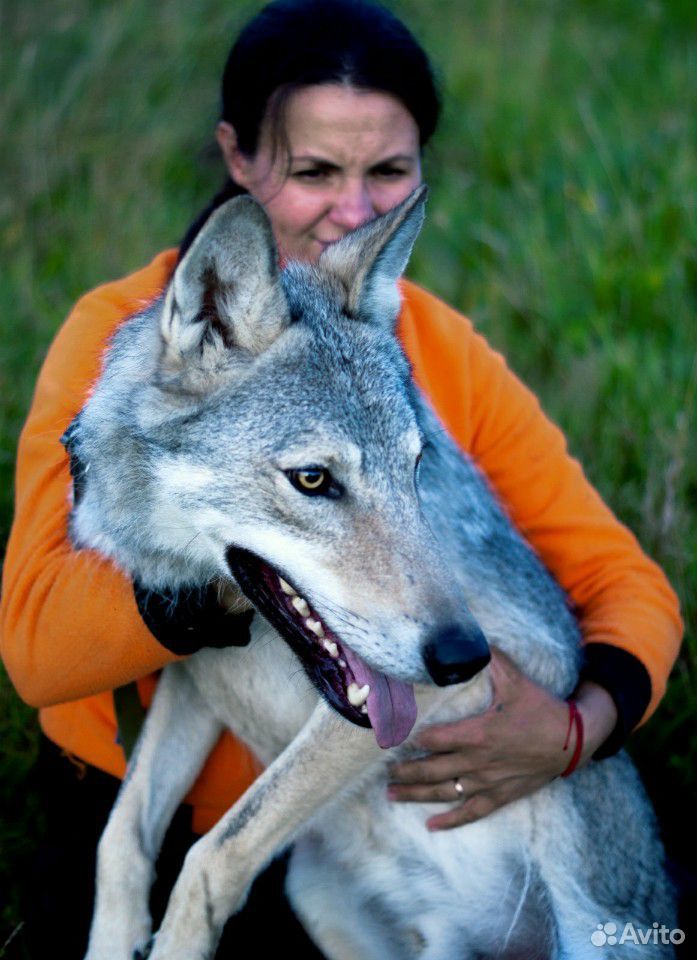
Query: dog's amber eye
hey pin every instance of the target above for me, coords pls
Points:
(311, 479)
(314, 481)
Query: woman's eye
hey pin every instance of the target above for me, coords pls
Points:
(314, 482)
(313, 174)
(389, 173)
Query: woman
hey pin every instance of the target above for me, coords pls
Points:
(327, 105)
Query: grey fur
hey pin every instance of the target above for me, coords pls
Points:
(231, 378)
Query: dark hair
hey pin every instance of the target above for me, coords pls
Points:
(292, 44)
(298, 43)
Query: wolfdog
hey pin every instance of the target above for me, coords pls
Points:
(259, 427)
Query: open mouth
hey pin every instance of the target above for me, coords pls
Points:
(362, 695)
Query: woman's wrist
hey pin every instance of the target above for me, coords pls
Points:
(626, 680)
(599, 716)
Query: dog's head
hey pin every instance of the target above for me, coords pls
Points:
(263, 424)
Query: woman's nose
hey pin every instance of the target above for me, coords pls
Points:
(352, 206)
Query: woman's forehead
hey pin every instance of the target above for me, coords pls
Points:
(339, 123)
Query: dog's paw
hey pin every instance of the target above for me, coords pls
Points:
(142, 953)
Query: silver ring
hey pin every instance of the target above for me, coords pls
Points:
(459, 789)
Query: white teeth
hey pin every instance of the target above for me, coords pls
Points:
(301, 606)
(315, 626)
(342, 663)
(357, 696)
(331, 649)
(286, 587)
(364, 709)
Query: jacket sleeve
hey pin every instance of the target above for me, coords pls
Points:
(629, 615)
(69, 625)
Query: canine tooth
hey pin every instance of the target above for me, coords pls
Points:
(342, 663)
(331, 649)
(364, 709)
(286, 587)
(315, 626)
(357, 696)
(301, 606)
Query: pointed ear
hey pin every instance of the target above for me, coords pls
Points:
(369, 261)
(225, 297)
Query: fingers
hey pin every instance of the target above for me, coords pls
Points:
(433, 769)
(508, 751)
(445, 792)
(476, 798)
(474, 808)
(467, 734)
(481, 804)
(502, 668)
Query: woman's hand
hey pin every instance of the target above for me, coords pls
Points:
(509, 751)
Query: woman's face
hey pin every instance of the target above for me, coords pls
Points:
(352, 155)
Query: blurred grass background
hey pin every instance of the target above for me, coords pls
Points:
(562, 219)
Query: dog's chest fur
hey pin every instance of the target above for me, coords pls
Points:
(261, 690)
(383, 860)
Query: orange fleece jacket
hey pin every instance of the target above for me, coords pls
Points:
(70, 630)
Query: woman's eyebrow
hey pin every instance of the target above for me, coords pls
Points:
(396, 158)
(322, 161)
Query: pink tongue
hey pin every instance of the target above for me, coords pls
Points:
(391, 703)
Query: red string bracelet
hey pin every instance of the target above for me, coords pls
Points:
(575, 719)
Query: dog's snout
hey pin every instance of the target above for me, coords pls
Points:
(456, 653)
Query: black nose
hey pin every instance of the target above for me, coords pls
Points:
(456, 653)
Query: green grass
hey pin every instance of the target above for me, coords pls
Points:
(562, 219)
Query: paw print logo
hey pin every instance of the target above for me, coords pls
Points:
(605, 933)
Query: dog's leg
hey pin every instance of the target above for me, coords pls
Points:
(177, 737)
(325, 756)
(341, 918)
(607, 874)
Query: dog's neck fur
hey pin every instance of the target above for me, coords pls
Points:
(188, 433)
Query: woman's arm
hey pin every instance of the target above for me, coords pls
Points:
(69, 625)
(628, 613)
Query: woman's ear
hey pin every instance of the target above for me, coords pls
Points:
(236, 162)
